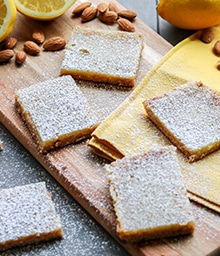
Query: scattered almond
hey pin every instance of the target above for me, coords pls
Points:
(217, 48)
(113, 7)
(89, 14)
(80, 8)
(6, 55)
(38, 36)
(108, 13)
(218, 65)
(54, 44)
(31, 48)
(108, 17)
(207, 36)
(20, 57)
(125, 25)
(10, 43)
(127, 14)
(102, 7)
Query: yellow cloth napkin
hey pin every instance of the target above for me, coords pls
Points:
(128, 131)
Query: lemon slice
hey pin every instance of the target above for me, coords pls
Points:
(7, 17)
(43, 10)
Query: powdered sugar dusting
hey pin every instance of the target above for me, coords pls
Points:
(57, 107)
(149, 190)
(115, 53)
(191, 113)
(25, 211)
(107, 97)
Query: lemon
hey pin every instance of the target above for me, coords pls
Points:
(190, 14)
(42, 9)
(7, 17)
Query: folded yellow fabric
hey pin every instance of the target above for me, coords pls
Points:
(128, 131)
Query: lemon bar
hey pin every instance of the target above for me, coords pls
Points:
(190, 117)
(103, 56)
(56, 112)
(27, 215)
(149, 196)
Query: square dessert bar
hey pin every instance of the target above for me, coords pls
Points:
(149, 196)
(27, 215)
(190, 117)
(56, 112)
(103, 56)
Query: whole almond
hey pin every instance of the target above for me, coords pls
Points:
(38, 36)
(10, 43)
(31, 48)
(89, 14)
(217, 48)
(113, 7)
(55, 43)
(218, 65)
(207, 35)
(127, 14)
(102, 7)
(20, 57)
(80, 8)
(125, 25)
(6, 55)
(108, 17)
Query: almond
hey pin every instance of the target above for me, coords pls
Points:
(80, 8)
(6, 55)
(207, 35)
(102, 7)
(55, 43)
(125, 25)
(89, 14)
(38, 36)
(31, 48)
(217, 48)
(127, 14)
(10, 43)
(20, 57)
(113, 7)
(108, 17)
(218, 65)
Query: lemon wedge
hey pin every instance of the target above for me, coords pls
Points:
(43, 10)
(7, 17)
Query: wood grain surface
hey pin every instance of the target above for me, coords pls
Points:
(75, 167)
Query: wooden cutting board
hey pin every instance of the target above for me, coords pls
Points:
(75, 167)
